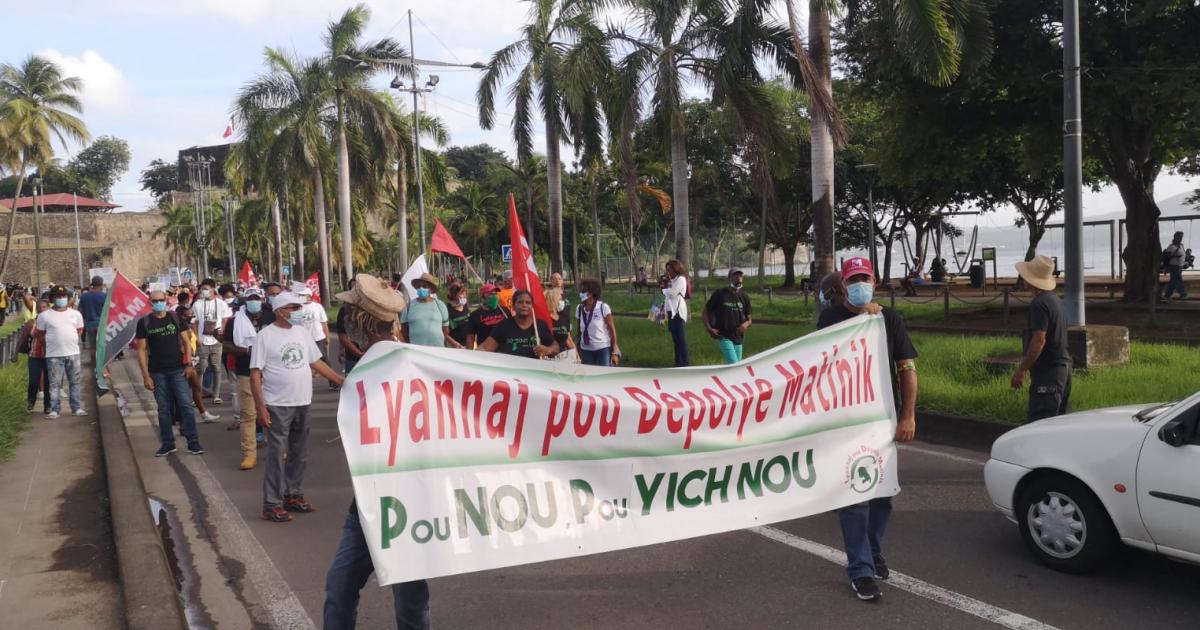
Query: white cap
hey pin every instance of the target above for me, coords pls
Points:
(287, 298)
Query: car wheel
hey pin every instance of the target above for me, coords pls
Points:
(1065, 525)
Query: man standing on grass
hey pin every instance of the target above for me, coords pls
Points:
(282, 360)
(163, 356)
(60, 327)
(211, 314)
(863, 524)
(727, 316)
(1044, 343)
(91, 304)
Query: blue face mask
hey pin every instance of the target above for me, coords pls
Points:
(821, 298)
(158, 307)
(422, 293)
(860, 293)
(583, 297)
(253, 306)
(60, 302)
(296, 318)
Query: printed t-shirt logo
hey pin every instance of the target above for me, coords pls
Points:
(292, 355)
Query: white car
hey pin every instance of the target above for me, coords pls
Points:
(1078, 484)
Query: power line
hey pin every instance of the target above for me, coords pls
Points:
(439, 40)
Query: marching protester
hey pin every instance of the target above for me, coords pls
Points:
(597, 331)
(727, 316)
(506, 290)
(162, 355)
(370, 308)
(60, 328)
(1044, 343)
(1174, 258)
(211, 314)
(281, 385)
(561, 317)
(522, 335)
(91, 305)
(34, 347)
(863, 525)
(486, 317)
(425, 321)
(676, 296)
(238, 339)
(270, 290)
(353, 344)
(187, 316)
(459, 313)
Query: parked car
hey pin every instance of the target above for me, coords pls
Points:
(1079, 485)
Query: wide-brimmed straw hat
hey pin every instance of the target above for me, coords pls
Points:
(431, 279)
(374, 296)
(1038, 272)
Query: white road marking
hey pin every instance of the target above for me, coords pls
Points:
(957, 601)
(944, 455)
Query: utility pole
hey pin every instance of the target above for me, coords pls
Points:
(37, 229)
(232, 251)
(1072, 166)
(78, 248)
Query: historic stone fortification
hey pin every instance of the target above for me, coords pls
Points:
(122, 240)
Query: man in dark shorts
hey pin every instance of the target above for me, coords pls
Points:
(863, 524)
(487, 316)
(1044, 343)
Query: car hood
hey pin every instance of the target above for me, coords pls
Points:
(1094, 431)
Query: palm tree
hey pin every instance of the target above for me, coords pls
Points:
(475, 218)
(528, 172)
(565, 56)
(432, 171)
(350, 64)
(36, 102)
(938, 38)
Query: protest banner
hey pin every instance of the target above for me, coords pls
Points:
(124, 305)
(465, 461)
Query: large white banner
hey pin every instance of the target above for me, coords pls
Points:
(464, 461)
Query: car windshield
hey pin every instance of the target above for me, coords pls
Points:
(1150, 413)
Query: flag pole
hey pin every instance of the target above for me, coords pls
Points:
(536, 336)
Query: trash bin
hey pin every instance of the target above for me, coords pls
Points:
(977, 273)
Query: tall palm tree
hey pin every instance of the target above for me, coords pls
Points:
(528, 173)
(565, 59)
(938, 38)
(36, 102)
(432, 128)
(350, 64)
(475, 217)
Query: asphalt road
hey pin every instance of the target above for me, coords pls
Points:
(965, 563)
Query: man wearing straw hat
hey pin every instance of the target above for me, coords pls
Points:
(1044, 342)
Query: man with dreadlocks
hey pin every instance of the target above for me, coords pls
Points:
(370, 311)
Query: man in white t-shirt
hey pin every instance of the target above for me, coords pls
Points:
(60, 328)
(211, 314)
(282, 360)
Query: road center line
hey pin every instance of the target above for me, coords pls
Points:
(936, 453)
(921, 588)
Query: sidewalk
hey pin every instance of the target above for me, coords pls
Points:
(57, 563)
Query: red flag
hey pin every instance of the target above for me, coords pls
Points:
(314, 284)
(443, 242)
(525, 274)
(247, 276)
(124, 306)
(228, 129)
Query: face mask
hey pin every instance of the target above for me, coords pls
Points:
(736, 286)
(583, 297)
(229, 301)
(205, 293)
(253, 306)
(271, 300)
(821, 298)
(296, 318)
(422, 293)
(859, 293)
(462, 301)
(158, 307)
(60, 302)
(491, 301)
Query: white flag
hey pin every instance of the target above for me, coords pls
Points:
(414, 272)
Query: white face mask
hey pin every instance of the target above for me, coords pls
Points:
(462, 301)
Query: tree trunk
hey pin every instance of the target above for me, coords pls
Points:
(1036, 232)
(596, 227)
(12, 220)
(275, 218)
(679, 195)
(575, 250)
(662, 239)
(887, 256)
(531, 227)
(554, 197)
(762, 244)
(1142, 246)
(822, 147)
(343, 198)
(789, 264)
(716, 249)
(919, 248)
(322, 229)
(402, 208)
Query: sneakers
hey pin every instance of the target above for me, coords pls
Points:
(248, 462)
(79, 412)
(217, 400)
(210, 417)
(194, 448)
(866, 589)
(296, 503)
(164, 450)
(881, 568)
(29, 407)
(50, 415)
(276, 515)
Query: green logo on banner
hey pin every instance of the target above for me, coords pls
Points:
(864, 473)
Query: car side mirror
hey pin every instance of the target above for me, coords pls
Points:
(1174, 433)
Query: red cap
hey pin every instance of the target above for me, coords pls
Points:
(855, 266)
(487, 288)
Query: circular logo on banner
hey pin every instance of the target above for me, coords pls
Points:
(863, 469)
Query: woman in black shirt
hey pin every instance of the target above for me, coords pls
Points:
(459, 313)
(523, 335)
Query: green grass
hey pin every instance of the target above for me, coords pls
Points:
(952, 376)
(13, 379)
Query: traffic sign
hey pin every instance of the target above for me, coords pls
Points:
(506, 253)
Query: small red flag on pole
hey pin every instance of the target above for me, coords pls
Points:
(247, 276)
(314, 284)
(443, 242)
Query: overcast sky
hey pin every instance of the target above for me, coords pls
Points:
(163, 74)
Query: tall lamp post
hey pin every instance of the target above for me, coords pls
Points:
(36, 183)
(1072, 166)
(78, 246)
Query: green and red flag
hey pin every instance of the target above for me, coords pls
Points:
(124, 305)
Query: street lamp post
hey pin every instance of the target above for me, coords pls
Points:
(1072, 166)
(78, 247)
(37, 229)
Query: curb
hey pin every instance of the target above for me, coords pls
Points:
(147, 584)
(969, 433)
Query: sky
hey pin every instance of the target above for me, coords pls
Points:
(163, 74)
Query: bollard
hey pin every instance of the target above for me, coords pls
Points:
(768, 296)
(946, 303)
(1005, 305)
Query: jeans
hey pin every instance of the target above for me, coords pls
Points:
(210, 356)
(1049, 393)
(862, 534)
(288, 434)
(732, 352)
(679, 337)
(1175, 283)
(348, 574)
(601, 357)
(173, 394)
(39, 377)
(58, 368)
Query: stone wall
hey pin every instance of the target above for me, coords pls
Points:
(121, 240)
